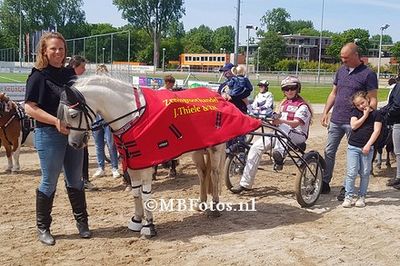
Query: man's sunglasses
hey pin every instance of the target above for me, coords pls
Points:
(289, 88)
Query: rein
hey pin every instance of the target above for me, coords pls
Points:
(97, 124)
(103, 123)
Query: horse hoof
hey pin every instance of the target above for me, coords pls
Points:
(213, 213)
(15, 170)
(148, 231)
(200, 206)
(135, 226)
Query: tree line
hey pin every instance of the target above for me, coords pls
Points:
(156, 24)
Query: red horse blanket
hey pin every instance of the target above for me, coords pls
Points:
(176, 122)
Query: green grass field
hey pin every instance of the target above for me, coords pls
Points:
(309, 91)
(13, 78)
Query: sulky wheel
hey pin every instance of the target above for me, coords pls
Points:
(308, 183)
(233, 170)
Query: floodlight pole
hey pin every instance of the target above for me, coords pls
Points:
(163, 59)
(20, 35)
(96, 50)
(111, 51)
(154, 50)
(248, 27)
(236, 51)
(320, 41)
(298, 56)
(258, 57)
(129, 47)
(384, 27)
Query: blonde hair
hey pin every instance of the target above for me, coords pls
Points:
(41, 59)
(239, 70)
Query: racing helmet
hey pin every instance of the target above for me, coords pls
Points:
(290, 81)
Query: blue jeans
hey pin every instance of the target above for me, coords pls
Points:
(99, 136)
(358, 163)
(55, 154)
(335, 135)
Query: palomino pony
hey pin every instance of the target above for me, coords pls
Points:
(11, 132)
(144, 141)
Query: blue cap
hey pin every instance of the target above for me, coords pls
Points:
(226, 67)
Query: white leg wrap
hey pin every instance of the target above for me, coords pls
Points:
(134, 225)
(146, 195)
(136, 191)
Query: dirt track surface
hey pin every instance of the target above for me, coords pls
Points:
(279, 232)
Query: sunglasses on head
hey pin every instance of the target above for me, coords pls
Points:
(289, 88)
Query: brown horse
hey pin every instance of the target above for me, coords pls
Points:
(10, 131)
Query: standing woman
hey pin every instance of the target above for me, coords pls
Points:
(51, 136)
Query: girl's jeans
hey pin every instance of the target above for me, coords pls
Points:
(358, 163)
(55, 154)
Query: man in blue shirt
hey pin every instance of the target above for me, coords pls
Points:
(351, 77)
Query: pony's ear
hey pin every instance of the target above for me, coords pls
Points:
(71, 95)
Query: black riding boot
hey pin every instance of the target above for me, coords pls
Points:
(44, 206)
(78, 203)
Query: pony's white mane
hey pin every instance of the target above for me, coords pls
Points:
(111, 97)
(101, 80)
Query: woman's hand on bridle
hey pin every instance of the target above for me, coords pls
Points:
(62, 127)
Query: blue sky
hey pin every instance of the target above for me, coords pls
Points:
(339, 15)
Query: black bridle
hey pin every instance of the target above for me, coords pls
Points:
(86, 112)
